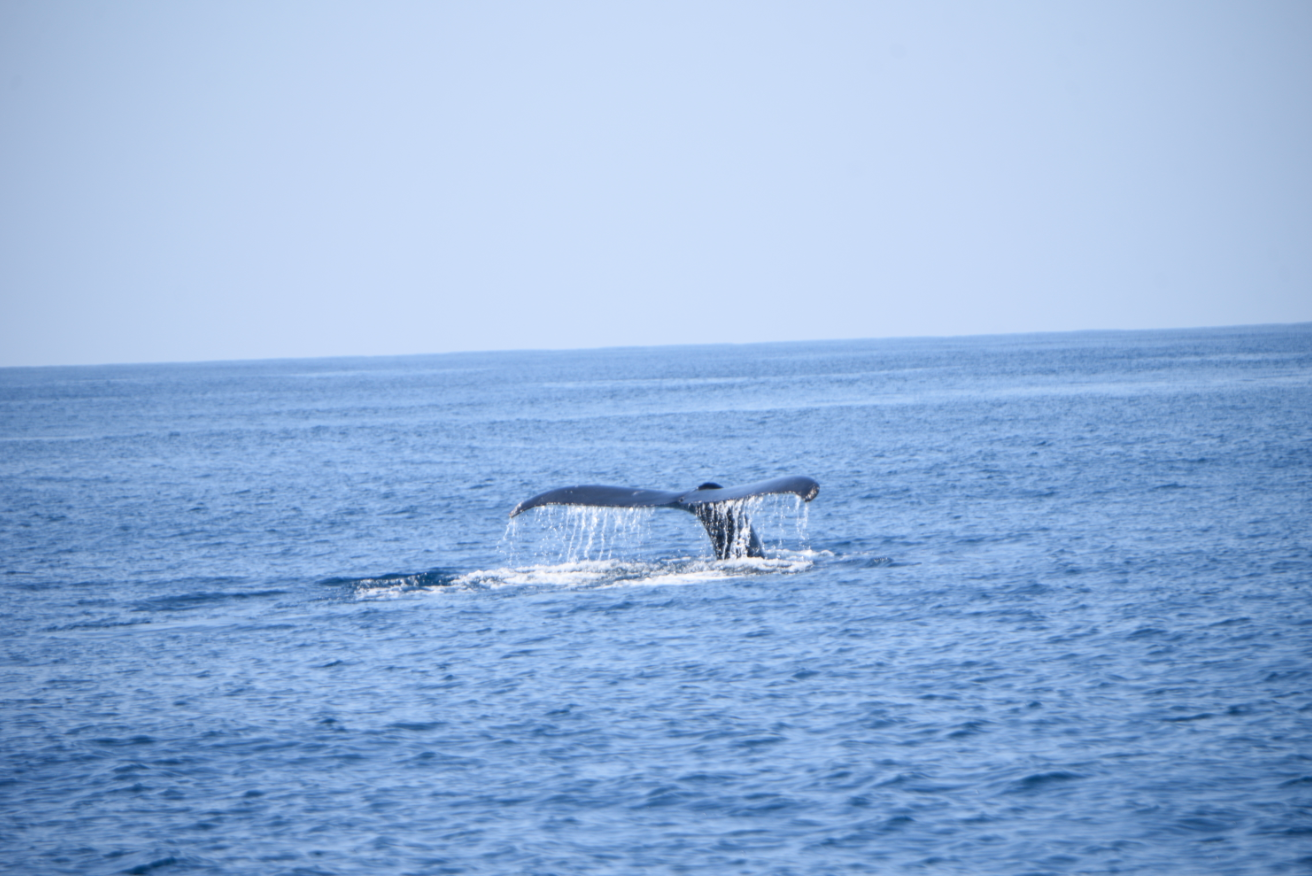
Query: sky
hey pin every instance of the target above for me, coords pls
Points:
(248, 180)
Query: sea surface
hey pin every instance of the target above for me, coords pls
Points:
(1050, 613)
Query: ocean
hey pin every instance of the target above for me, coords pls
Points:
(1050, 613)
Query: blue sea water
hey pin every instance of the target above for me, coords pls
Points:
(1050, 612)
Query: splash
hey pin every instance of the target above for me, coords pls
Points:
(584, 547)
(581, 575)
(597, 574)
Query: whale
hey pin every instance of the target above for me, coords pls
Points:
(719, 509)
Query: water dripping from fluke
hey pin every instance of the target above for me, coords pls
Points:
(724, 512)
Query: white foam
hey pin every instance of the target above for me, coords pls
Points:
(633, 573)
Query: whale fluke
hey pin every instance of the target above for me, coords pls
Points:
(718, 508)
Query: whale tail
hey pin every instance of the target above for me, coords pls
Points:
(719, 509)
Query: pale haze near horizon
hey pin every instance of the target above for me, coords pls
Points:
(202, 181)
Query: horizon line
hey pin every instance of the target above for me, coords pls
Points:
(486, 351)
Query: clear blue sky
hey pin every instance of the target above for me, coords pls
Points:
(206, 180)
